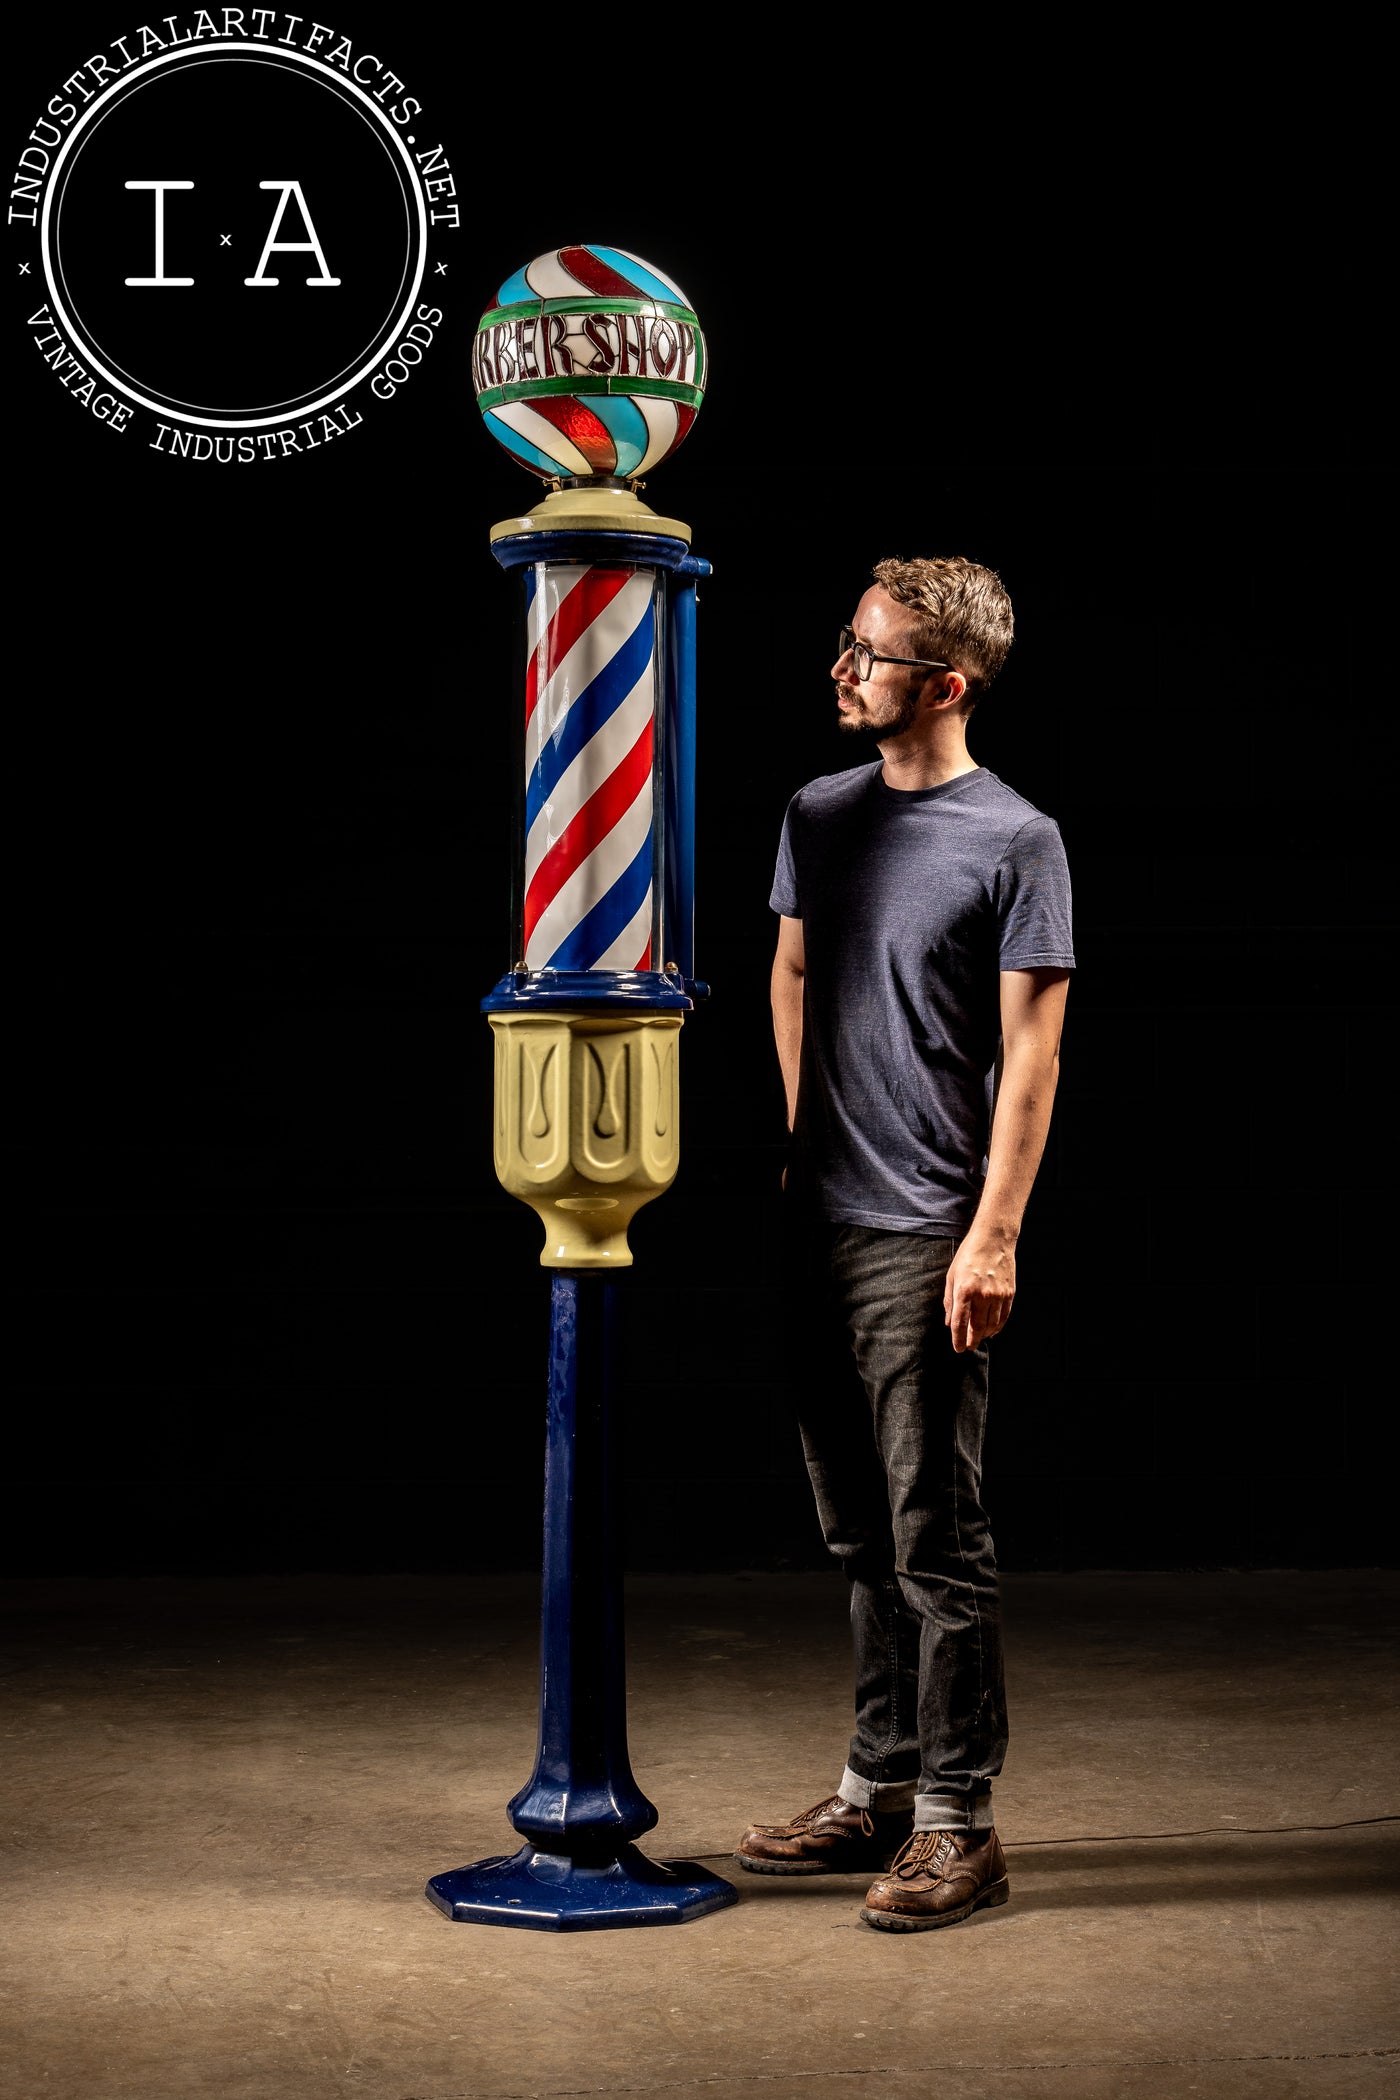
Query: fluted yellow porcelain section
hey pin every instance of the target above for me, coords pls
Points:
(587, 1125)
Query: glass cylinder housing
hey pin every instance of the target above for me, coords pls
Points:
(592, 883)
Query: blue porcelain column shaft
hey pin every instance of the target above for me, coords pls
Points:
(581, 1794)
(581, 1807)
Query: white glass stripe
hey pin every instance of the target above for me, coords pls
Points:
(662, 424)
(677, 295)
(596, 646)
(598, 758)
(547, 276)
(553, 583)
(631, 944)
(609, 858)
(539, 431)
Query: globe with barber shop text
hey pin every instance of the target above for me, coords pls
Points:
(590, 364)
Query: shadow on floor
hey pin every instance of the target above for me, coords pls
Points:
(1136, 1874)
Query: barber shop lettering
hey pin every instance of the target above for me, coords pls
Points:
(560, 346)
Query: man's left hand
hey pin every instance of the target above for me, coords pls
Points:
(978, 1292)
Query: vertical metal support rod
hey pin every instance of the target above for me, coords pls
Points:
(581, 1807)
(680, 762)
(581, 1797)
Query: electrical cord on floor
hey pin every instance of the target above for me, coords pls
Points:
(1140, 1837)
(1149, 1837)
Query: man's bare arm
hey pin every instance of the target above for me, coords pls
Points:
(981, 1283)
(789, 970)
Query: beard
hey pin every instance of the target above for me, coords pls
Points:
(898, 719)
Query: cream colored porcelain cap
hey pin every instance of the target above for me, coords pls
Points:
(592, 510)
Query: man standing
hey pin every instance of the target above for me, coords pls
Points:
(919, 989)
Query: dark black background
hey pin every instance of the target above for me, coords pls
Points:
(268, 1308)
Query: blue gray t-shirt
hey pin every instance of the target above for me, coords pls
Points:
(912, 902)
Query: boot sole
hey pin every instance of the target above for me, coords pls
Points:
(907, 1921)
(814, 1866)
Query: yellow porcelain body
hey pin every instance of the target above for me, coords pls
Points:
(587, 1125)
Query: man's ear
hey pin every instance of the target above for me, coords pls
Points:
(954, 686)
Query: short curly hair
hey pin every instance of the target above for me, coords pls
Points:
(964, 613)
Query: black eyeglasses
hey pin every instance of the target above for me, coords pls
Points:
(864, 658)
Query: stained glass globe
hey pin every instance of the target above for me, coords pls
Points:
(591, 362)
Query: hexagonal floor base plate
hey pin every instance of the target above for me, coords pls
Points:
(547, 1892)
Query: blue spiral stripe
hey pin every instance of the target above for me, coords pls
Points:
(598, 929)
(598, 701)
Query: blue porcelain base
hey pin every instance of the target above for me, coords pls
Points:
(546, 1892)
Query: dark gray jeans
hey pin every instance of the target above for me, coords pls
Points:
(892, 1421)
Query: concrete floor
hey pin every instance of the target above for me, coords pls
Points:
(222, 1799)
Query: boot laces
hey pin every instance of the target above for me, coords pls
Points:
(923, 1853)
(819, 1808)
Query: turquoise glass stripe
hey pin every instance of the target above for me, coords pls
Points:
(636, 274)
(625, 425)
(515, 289)
(521, 447)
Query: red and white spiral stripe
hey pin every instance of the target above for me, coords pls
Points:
(590, 707)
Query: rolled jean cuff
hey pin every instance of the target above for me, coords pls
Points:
(886, 1796)
(953, 1811)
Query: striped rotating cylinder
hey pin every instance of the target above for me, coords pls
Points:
(590, 705)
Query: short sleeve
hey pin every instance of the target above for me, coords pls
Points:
(784, 897)
(1034, 926)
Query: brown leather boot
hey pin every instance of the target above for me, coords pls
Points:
(831, 1837)
(939, 1877)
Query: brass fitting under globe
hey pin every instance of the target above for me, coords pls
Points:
(586, 1124)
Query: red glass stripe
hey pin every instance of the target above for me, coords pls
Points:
(610, 800)
(597, 275)
(590, 596)
(581, 427)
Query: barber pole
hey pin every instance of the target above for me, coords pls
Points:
(589, 369)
